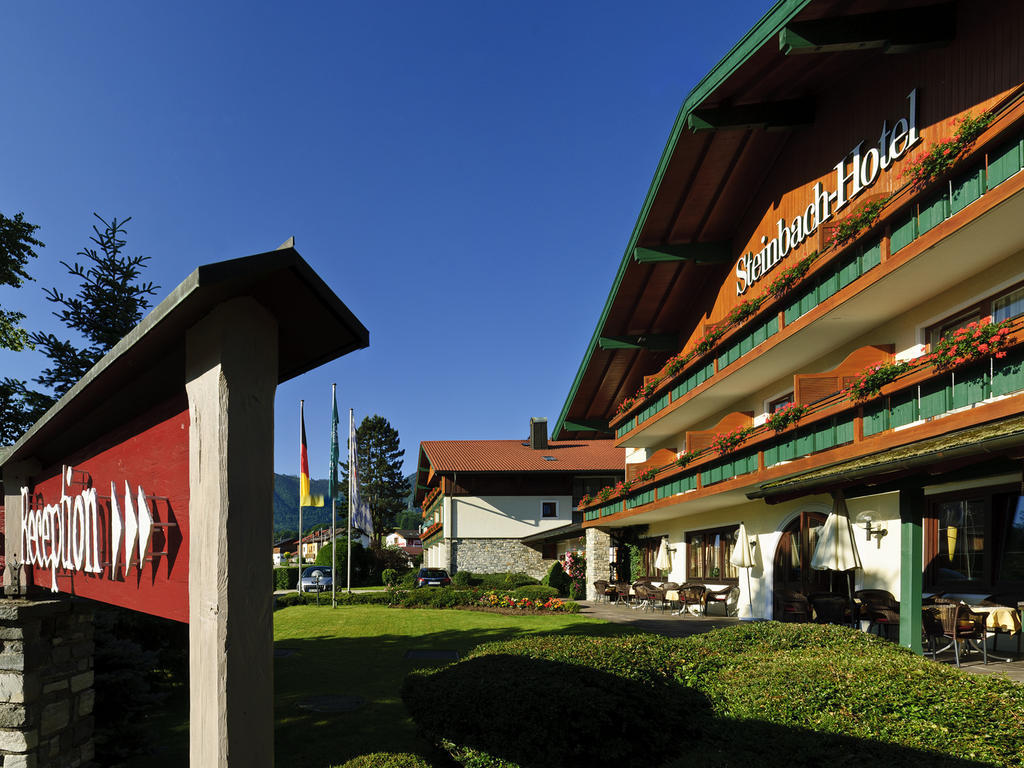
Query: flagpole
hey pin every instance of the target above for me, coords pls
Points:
(299, 583)
(351, 470)
(334, 500)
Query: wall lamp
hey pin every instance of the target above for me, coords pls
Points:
(867, 519)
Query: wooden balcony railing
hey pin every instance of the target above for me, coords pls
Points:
(922, 394)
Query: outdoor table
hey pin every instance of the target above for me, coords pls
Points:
(999, 618)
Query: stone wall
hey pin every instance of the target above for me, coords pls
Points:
(46, 684)
(598, 566)
(498, 556)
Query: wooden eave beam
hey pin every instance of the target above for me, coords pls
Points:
(653, 341)
(772, 115)
(904, 30)
(586, 425)
(702, 253)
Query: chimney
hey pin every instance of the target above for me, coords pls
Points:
(538, 434)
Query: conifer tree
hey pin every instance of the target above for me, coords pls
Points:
(381, 482)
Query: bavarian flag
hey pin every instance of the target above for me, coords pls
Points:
(306, 499)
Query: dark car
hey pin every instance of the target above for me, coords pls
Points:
(432, 577)
(316, 578)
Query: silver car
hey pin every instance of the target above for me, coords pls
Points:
(316, 578)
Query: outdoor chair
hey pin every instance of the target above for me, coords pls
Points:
(829, 608)
(655, 596)
(669, 586)
(880, 608)
(954, 622)
(641, 593)
(728, 598)
(791, 606)
(603, 591)
(622, 590)
(691, 595)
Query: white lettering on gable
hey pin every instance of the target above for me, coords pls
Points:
(857, 171)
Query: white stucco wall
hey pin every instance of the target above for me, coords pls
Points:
(765, 523)
(476, 517)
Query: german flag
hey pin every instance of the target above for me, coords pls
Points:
(306, 499)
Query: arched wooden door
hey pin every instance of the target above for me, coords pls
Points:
(792, 568)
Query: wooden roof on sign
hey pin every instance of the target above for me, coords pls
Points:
(147, 367)
(719, 157)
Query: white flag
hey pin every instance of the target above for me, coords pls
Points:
(360, 510)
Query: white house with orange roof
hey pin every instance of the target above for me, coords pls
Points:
(493, 506)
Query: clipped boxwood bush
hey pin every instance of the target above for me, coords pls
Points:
(535, 592)
(462, 579)
(286, 578)
(387, 760)
(759, 693)
(557, 579)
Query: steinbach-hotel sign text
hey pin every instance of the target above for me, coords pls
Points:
(857, 171)
(69, 535)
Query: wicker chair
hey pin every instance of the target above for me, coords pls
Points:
(690, 595)
(791, 606)
(655, 596)
(668, 586)
(880, 608)
(728, 598)
(622, 590)
(954, 622)
(602, 590)
(829, 608)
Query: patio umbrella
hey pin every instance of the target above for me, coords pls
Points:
(741, 557)
(661, 562)
(837, 544)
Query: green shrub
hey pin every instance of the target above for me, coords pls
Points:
(756, 693)
(408, 580)
(387, 760)
(286, 578)
(389, 577)
(535, 592)
(461, 579)
(556, 578)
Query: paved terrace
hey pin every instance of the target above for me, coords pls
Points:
(664, 623)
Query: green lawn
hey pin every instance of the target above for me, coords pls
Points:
(358, 651)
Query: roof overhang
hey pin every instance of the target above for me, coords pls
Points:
(721, 151)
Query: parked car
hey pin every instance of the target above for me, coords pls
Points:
(432, 577)
(316, 578)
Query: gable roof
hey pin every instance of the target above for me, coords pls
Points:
(517, 456)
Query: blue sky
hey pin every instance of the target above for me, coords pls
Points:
(464, 175)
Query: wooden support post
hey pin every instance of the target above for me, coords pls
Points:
(911, 566)
(231, 376)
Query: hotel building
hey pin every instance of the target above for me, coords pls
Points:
(838, 198)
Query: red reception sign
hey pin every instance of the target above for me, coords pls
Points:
(111, 523)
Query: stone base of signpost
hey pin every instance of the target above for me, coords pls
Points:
(46, 684)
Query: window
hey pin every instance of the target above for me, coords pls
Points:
(549, 509)
(1005, 305)
(780, 402)
(707, 555)
(974, 539)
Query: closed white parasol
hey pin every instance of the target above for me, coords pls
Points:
(837, 544)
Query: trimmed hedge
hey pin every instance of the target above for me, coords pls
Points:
(387, 760)
(556, 578)
(760, 693)
(535, 592)
(286, 578)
